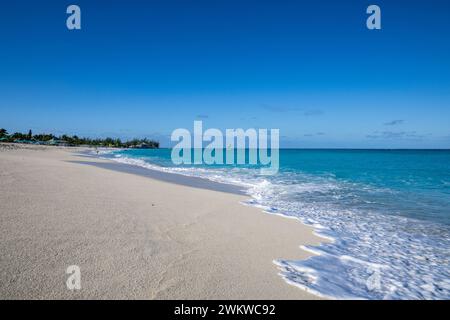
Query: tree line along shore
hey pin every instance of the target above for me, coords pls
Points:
(75, 141)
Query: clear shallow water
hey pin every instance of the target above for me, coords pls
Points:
(386, 212)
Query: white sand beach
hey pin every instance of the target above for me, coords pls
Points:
(132, 236)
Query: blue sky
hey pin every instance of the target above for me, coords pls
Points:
(311, 69)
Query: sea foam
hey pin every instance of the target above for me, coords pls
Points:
(369, 254)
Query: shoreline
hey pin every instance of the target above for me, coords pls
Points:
(179, 179)
(135, 236)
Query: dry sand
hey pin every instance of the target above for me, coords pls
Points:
(133, 237)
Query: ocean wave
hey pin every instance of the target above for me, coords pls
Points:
(371, 254)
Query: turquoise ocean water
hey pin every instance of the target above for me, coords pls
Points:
(387, 213)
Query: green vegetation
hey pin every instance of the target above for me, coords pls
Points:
(3, 133)
(65, 140)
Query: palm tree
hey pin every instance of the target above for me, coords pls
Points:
(3, 133)
(75, 140)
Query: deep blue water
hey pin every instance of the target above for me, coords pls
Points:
(386, 211)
